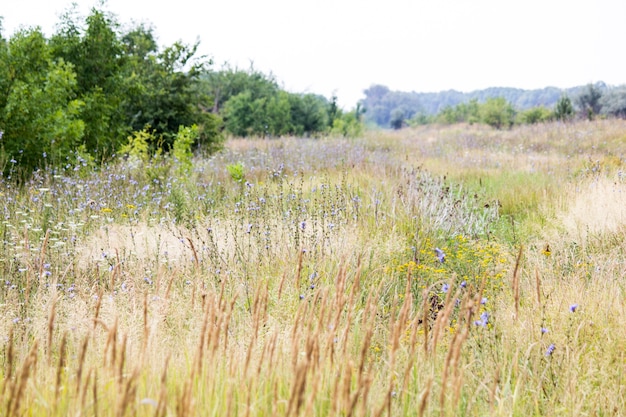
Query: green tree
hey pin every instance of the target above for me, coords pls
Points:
(588, 101)
(228, 82)
(614, 102)
(348, 124)
(563, 110)
(309, 114)
(128, 84)
(497, 113)
(535, 115)
(96, 54)
(39, 110)
(397, 120)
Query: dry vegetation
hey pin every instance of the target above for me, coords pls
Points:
(430, 271)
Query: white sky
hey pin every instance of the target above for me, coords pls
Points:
(344, 46)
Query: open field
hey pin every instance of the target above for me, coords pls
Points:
(431, 271)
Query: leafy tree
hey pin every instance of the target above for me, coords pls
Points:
(96, 54)
(334, 111)
(348, 124)
(420, 119)
(397, 118)
(229, 82)
(535, 115)
(309, 114)
(563, 110)
(614, 102)
(497, 112)
(588, 101)
(127, 84)
(39, 113)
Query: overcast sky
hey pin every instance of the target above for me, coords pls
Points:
(344, 46)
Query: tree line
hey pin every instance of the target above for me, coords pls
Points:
(93, 87)
(498, 107)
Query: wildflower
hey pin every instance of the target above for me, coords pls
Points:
(483, 300)
(441, 256)
(544, 330)
(547, 251)
(463, 284)
(484, 320)
(550, 349)
(573, 308)
(445, 288)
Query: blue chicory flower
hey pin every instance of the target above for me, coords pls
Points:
(441, 256)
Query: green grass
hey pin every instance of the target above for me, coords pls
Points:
(310, 284)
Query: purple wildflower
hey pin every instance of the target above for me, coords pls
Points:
(441, 256)
(484, 320)
(550, 350)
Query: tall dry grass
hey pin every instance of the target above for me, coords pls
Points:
(312, 287)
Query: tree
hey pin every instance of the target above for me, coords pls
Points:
(309, 114)
(497, 113)
(39, 112)
(614, 102)
(397, 118)
(96, 54)
(563, 110)
(128, 84)
(588, 101)
(535, 115)
(229, 82)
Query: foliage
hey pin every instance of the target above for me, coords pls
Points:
(534, 115)
(348, 125)
(39, 116)
(381, 102)
(498, 113)
(309, 114)
(237, 172)
(462, 112)
(252, 104)
(137, 148)
(181, 151)
(614, 102)
(92, 85)
(588, 101)
(396, 119)
(563, 110)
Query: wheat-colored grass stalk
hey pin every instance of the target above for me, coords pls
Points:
(60, 368)
(51, 318)
(516, 289)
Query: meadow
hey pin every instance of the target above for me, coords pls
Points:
(455, 270)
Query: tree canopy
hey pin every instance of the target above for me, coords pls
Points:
(93, 86)
(90, 85)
